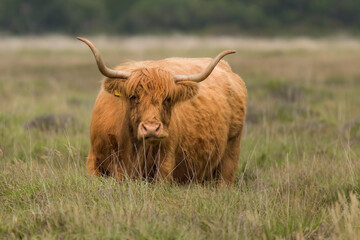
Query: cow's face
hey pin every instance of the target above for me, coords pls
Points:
(151, 94)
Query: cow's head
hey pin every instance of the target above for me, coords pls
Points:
(151, 93)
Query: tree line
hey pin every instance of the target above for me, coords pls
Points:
(259, 17)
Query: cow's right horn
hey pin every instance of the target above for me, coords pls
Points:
(107, 72)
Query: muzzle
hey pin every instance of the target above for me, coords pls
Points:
(151, 131)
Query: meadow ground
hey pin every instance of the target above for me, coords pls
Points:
(299, 172)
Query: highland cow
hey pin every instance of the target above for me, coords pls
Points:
(173, 120)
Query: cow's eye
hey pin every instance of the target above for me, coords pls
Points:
(133, 98)
(167, 100)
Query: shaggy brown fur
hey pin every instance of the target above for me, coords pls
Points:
(201, 123)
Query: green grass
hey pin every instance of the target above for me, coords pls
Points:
(299, 173)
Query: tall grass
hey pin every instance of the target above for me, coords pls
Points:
(299, 170)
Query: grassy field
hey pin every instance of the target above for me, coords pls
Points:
(299, 172)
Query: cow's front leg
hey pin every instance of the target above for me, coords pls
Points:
(105, 165)
(92, 166)
(165, 169)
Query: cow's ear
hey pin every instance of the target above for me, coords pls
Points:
(114, 86)
(186, 90)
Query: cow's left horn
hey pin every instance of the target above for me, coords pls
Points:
(107, 72)
(204, 74)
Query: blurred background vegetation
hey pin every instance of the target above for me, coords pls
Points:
(255, 17)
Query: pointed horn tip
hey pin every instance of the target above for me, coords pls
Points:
(82, 39)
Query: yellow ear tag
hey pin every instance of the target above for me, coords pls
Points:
(116, 93)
